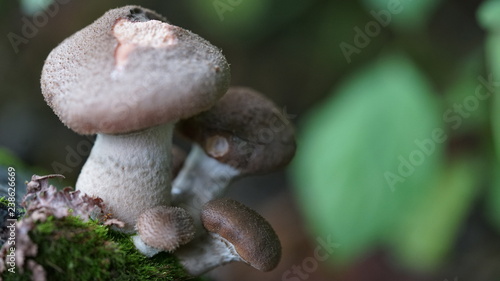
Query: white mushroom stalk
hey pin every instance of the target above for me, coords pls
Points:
(201, 179)
(206, 253)
(130, 168)
(203, 254)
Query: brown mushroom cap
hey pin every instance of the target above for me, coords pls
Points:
(252, 236)
(245, 130)
(130, 70)
(165, 228)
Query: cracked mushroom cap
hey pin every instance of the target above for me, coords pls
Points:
(245, 130)
(165, 228)
(130, 70)
(252, 236)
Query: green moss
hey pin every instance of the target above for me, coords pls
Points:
(70, 249)
(3, 201)
(4, 204)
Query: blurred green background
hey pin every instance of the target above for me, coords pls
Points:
(396, 115)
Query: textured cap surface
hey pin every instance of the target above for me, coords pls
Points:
(245, 130)
(128, 71)
(252, 236)
(165, 228)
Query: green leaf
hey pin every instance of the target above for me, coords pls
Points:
(488, 19)
(493, 198)
(424, 240)
(487, 15)
(368, 129)
(30, 7)
(404, 14)
(466, 107)
(492, 55)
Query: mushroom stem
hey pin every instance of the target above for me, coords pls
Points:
(206, 253)
(202, 179)
(130, 172)
(144, 248)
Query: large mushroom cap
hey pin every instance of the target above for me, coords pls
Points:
(130, 70)
(252, 236)
(245, 130)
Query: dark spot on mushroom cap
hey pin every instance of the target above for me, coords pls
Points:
(165, 228)
(139, 14)
(260, 138)
(252, 236)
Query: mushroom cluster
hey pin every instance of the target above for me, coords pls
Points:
(133, 79)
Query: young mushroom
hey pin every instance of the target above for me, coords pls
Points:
(163, 229)
(128, 77)
(243, 133)
(235, 233)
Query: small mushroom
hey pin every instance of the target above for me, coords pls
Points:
(244, 133)
(128, 77)
(164, 229)
(235, 233)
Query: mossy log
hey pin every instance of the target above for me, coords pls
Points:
(63, 236)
